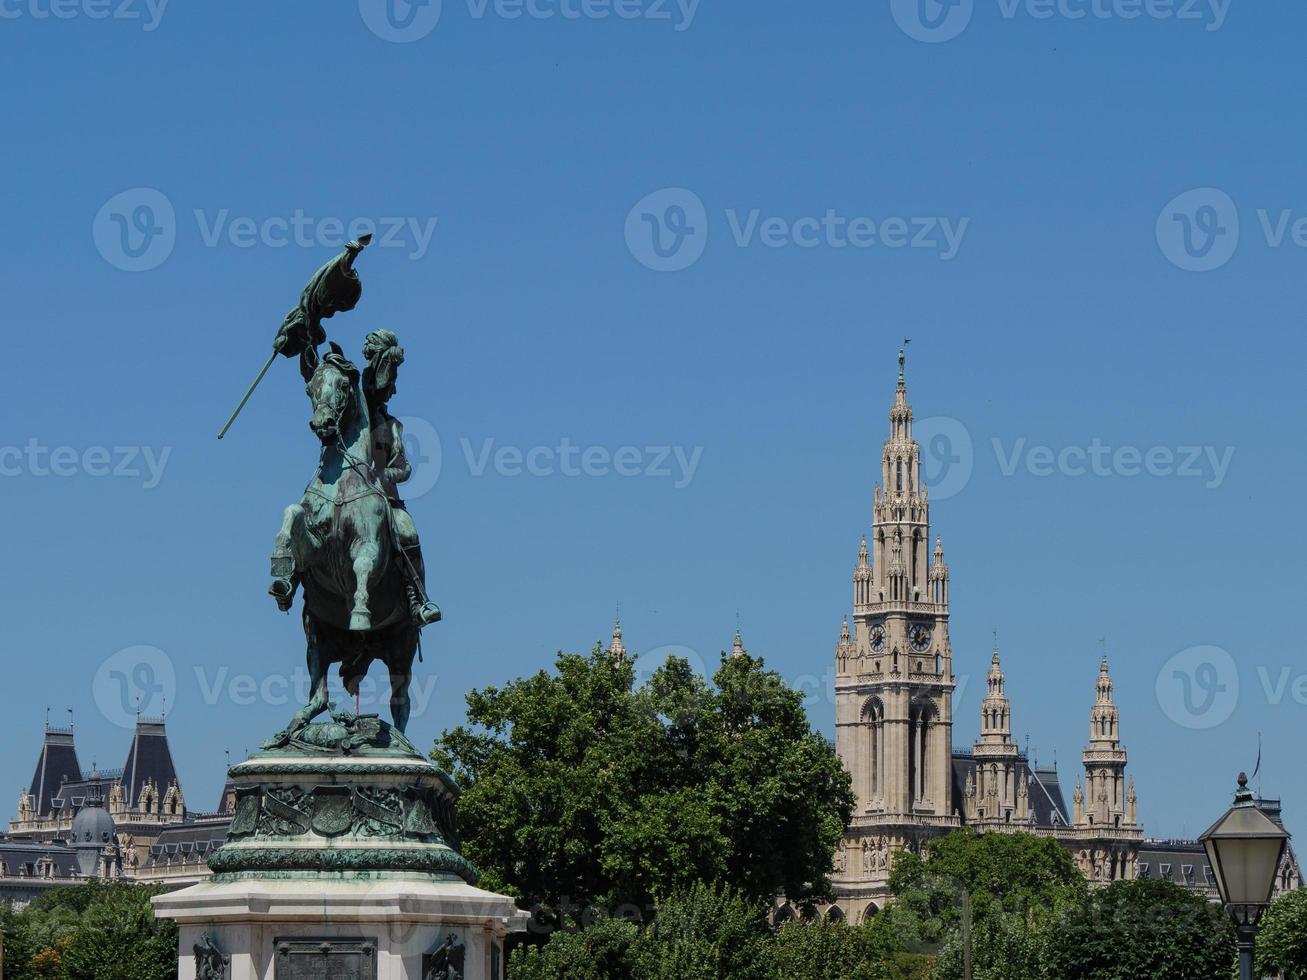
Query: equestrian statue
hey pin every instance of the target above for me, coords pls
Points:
(350, 544)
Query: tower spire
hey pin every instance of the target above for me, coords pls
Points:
(617, 649)
(894, 665)
(1005, 798)
(1107, 791)
(996, 710)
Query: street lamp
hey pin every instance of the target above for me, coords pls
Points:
(1244, 849)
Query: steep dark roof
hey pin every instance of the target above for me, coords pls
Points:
(1183, 862)
(18, 855)
(193, 840)
(149, 758)
(1046, 800)
(74, 793)
(1047, 787)
(57, 763)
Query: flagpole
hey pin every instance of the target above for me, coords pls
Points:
(271, 357)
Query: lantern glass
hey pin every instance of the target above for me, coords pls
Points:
(1244, 849)
(1245, 868)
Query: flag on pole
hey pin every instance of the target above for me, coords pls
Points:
(335, 288)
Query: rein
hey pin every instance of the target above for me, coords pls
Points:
(358, 466)
(373, 484)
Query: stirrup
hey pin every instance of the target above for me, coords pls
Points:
(283, 590)
(426, 613)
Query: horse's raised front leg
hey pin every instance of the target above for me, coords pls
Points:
(285, 574)
(366, 557)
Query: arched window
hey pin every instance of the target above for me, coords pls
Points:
(921, 720)
(874, 717)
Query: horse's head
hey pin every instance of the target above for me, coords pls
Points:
(333, 390)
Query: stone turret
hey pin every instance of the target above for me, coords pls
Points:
(737, 645)
(939, 574)
(617, 649)
(844, 649)
(1001, 794)
(1105, 833)
(1105, 760)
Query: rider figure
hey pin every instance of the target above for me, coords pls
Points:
(384, 356)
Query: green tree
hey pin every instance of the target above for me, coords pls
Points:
(1282, 939)
(709, 933)
(1013, 882)
(702, 934)
(1140, 929)
(600, 952)
(582, 791)
(837, 951)
(88, 932)
(1020, 872)
(705, 933)
(119, 935)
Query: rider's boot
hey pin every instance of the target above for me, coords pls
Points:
(423, 611)
(284, 581)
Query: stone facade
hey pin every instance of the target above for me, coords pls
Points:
(894, 714)
(152, 835)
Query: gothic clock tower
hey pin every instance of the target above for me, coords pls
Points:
(894, 674)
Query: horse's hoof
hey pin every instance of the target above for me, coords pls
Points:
(360, 622)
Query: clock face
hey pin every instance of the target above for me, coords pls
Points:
(878, 638)
(920, 637)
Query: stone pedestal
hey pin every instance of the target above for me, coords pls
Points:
(342, 863)
(383, 930)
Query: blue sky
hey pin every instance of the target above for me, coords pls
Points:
(1012, 188)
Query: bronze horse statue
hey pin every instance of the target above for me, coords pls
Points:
(338, 543)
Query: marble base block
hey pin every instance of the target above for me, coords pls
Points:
(384, 929)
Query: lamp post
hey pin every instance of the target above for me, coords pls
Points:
(1245, 848)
